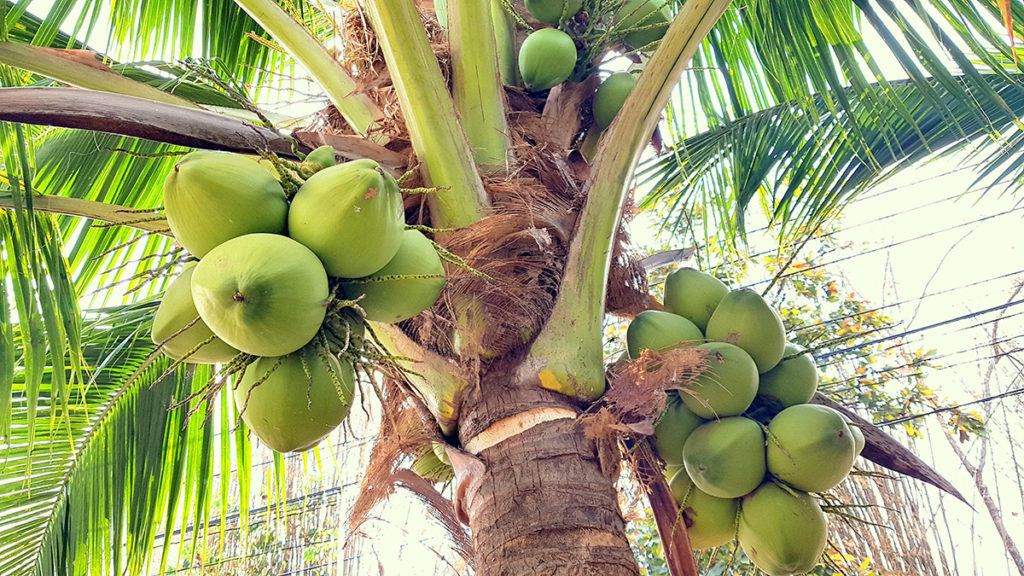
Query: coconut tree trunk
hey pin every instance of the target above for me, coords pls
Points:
(543, 504)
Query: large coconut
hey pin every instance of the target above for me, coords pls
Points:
(743, 318)
(793, 380)
(727, 385)
(673, 428)
(551, 11)
(350, 215)
(810, 447)
(710, 521)
(783, 532)
(725, 458)
(655, 330)
(211, 197)
(693, 295)
(176, 311)
(546, 59)
(293, 402)
(264, 294)
(405, 286)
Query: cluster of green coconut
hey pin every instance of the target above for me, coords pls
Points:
(283, 284)
(549, 56)
(742, 446)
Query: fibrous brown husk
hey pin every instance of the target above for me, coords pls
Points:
(404, 432)
(517, 255)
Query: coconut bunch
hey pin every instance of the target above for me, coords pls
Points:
(285, 283)
(568, 49)
(743, 448)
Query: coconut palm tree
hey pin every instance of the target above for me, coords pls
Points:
(798, 105)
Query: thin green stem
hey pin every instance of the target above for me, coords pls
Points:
(476, 82)
(429, 114)
(568, 353)
(358, 110)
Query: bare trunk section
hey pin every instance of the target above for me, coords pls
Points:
(543, 506)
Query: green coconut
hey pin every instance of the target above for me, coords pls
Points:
(264, 294)
(727, 385)
(656, 330)
(211, 197)
(292, 402)
(546, 59)
(610, 96)
(679, 483)
(406, 286)
(810, 447)
(710, 521)
(725, 458)
(429, 466)
(350, 215)
(793, 380)
(782, 532)
(320, 158)
(650, 15)
(176, 311)
(694, 295)
(673, 428)
(744, 319)
(858, 437)
(550, 11)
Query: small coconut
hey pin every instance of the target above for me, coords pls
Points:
(793, 380)
(674, 426)
(176, 311)
(744, 319)
(656, 330)
(727, 385)
(693, 295)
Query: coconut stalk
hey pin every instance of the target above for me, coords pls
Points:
(435, 379)
(359, 111)
(476, 82)
(435, 132)
(505, 42)
(568, 353)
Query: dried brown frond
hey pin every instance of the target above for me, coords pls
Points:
(637, 390)
(628, 292)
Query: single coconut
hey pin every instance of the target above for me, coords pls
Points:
(710, 520)
(650, 18)
(405, 286)
(657, 330)
(744, 319)
(725, 458)
(551, 11)
(546, 59)
(793, 380)
(293, 402)
(211, 197)
(727, 385)
(350, 215)
(810, 447)
(610, 96)
(694, 295)
(782, 531)
(176, 311)
(264, 294)
(672, 429)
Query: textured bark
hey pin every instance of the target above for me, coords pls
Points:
(542, 505)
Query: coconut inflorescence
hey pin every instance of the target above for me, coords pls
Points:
(744, 450)
(278, 293)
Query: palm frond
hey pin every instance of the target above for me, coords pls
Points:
(806, 168)
(125, 463)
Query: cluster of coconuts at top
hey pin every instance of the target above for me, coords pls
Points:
(742, 446)
(548, 56)
(276, 277)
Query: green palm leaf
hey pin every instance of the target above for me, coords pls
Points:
(804, 169)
